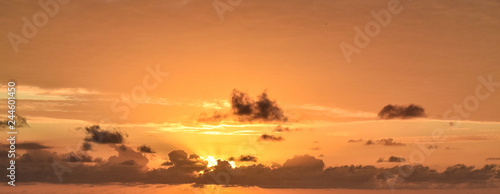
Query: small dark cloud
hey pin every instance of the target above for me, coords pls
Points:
(98, 135)
(315, 148)
(247, 158)
(354, 140)
(492, 158)
(389, 142)
(401, 111)
(385, 142)
(432, 147)
(266, 137)
(19, 120)
(279, 128)
(86, 146)
(217, 116)
(263, 109)
(392, 159)
(122, 148)
(145, 149)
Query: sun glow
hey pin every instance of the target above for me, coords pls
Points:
(212, 161)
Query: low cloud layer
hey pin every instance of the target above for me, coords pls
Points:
(301, 171)
(401, 112)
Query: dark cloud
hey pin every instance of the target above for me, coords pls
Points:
(263, 109)
(181, 162)
(86, 146)
(241, 103)
(145, 149)
(457, 174)
(29, 146)
(19, 120)
(392, 159)
(401, 111)
(78, 157)
(122, 148)
(279, 128)
(385, 142)
(247, 158)
(98, 135)
(129, 162)
(492, 158)
(315, 148)
(266, 137)
(354, 140)
(389, 142)
(217, 116)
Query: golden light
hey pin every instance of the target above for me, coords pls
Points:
(213, 161)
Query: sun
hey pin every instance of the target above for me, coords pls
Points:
(212, 161)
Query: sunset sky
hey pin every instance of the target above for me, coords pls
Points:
(166, 74)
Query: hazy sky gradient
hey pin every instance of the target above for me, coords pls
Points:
(82, 67)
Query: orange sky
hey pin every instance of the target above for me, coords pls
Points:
(86, 64)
